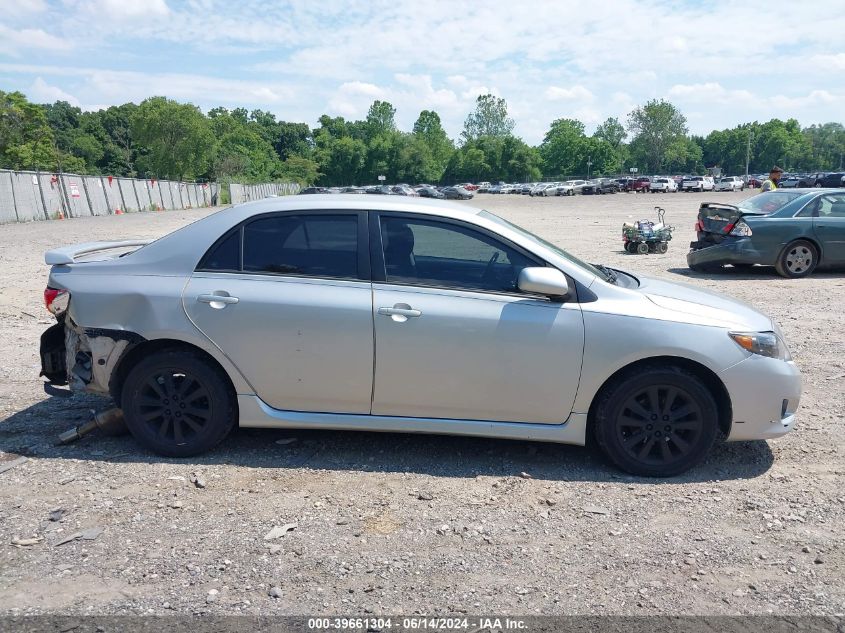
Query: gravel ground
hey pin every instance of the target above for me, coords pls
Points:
(421, 524)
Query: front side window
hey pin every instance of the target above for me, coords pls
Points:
(442, 254)
(319, 245)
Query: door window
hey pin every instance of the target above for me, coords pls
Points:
(832, 207)
(309, 245)
(442, 254)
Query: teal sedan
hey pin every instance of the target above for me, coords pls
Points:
(795, 231)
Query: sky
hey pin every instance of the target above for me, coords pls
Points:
(721, 62)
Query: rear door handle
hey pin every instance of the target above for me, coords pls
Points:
(405, 312)
(217, 299)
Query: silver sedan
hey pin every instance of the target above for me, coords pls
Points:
(331, 312)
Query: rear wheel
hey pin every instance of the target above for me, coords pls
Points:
(642, 248)
(798, 259)
(177, 404)
(656, 422)
(661, 247)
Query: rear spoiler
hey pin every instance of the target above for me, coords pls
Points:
(68, 254)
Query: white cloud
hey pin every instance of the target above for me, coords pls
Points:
(576, 93)
(730, 62)
(16, 42)
(42, 92)
(120, 9)
(833, 62)
(23, 8)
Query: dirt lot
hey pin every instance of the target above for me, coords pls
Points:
(413, 524)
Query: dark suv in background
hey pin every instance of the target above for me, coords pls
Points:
(836, 179)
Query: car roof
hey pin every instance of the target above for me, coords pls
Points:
(335, 202)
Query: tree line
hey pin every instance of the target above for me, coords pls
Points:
(162, 138)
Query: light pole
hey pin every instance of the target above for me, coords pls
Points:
(748, 153)
(589, 164)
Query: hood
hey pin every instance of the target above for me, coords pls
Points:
(714, 308)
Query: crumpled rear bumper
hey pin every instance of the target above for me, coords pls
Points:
(83, 358)
(739, 251)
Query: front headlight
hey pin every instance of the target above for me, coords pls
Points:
(763, 343)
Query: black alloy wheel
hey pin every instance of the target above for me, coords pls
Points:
(177, 404)
(659, 421)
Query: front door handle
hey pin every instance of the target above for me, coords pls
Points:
(405, 312)
(217, 301)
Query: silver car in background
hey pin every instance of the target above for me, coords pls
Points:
(407, 315)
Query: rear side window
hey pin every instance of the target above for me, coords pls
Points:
(225, 255)
(312, 246)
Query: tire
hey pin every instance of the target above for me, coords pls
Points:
(170, 378)
(798, 259)
(661, 247)
(642, 248)
(657, 421)
(631, 247)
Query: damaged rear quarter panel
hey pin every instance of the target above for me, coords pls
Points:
(108, 313)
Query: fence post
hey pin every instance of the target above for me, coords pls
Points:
(87, 196)
(41, 191)
(63, 197)
(109, 209)
(135, 191)
(14, 199)
(181, 199)
(160, 194)
(122, 199)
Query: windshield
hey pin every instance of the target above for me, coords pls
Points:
(769, 202)
(539, 240)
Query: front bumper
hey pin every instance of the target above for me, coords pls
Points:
(738, 251)
(765, 394)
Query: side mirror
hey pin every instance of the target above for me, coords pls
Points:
(543, 281)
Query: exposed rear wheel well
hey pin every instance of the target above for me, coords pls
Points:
(711, 380)
(144, 349)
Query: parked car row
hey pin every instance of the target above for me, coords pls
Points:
(457, 192)
(640, 184)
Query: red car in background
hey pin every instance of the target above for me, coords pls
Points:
(469, 186)
(641, 184)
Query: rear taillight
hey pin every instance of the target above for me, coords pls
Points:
(56, 300)
(740, 229)
(699, 226)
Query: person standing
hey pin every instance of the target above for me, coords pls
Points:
(771, 184)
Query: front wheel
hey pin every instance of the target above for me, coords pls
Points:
(798, 259)
(659, 421)
(177, 404)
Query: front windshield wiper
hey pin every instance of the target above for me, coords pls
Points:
(609, 274)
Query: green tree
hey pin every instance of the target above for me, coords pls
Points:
(429, 130)
(176, 137)
(120, 150)
(381, 119)
(563, 148)
(612, 132)
(490, 118)
(240, 150)
(655, 127)
(300, 170)
(26, 140)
